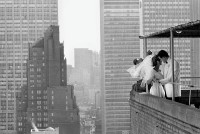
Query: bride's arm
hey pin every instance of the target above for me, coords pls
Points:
(159, 76)
(150, 76)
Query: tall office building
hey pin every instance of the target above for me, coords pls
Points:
(195, 45)
(22, 22)
(157, 15)
(119, 46)
(51, 103)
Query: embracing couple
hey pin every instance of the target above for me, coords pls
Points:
(159, 74)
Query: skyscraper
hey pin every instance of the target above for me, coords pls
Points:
(50, 102)
(22, 22)
(119, 46)
(195, 48)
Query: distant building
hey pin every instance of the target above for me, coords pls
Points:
(89, 61)
(22, 23)
(51, 103)
(119, 46)
(97, 99)
(69, 72)
(79, 75)
(80, 93)
(95, 82)
(86, 70)
(83, 59)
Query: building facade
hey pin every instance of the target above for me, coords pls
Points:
(22, 105)
(119, 46)
(195, 55)
(51, 103)
(22, 22)
(62, 109)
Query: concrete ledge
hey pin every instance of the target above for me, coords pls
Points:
(183, 116)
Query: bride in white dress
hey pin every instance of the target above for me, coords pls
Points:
(154, 77)
(149, 72)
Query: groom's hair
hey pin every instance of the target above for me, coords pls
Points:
(163, 53)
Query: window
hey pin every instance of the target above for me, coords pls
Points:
(38, 69)
(38, 102)
(31, 69)
(38, 92)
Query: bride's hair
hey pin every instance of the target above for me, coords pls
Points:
(155, 60)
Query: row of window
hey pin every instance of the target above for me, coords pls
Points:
(39, 114)
(31, 17)
(3, 115)
(121, 7)
(6, 108)
(10, 127)
(4, 120)
(9, 11)
(37, 69)
(33, 1)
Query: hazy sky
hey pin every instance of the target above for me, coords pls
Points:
(79, 22)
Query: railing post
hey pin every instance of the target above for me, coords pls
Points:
(144, 55)
(147, 90)
(145, 48)
(189, 96)
(172, 58)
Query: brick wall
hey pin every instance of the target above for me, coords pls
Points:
(155, 115)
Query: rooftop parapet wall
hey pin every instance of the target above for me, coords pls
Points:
(155, 115)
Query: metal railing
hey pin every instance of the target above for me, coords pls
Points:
(191, 84)
(187, 84)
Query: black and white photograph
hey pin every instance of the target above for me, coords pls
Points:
(99, 66)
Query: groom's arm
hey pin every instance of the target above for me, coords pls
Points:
(168, 79)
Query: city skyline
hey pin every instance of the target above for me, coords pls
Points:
(63, 63)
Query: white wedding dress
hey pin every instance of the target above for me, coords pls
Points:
(146, 71)
(156, 88)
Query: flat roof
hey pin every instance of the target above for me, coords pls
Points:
(187, 30)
